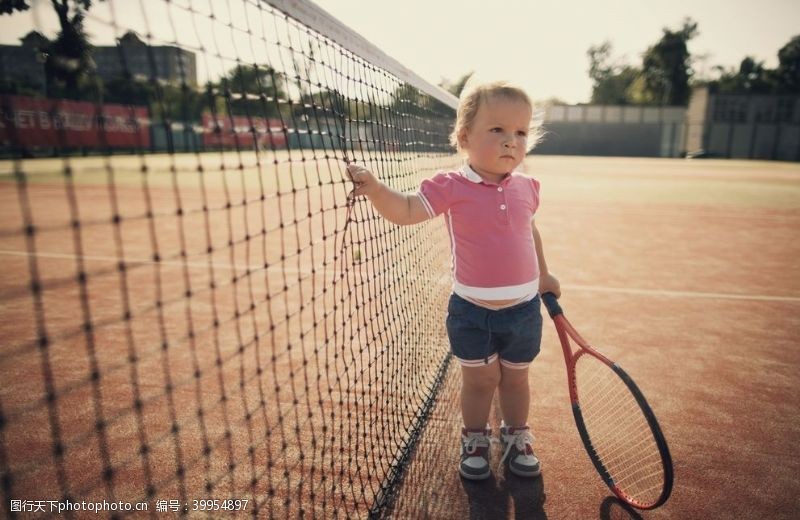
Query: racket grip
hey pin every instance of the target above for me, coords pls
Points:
(551, 302)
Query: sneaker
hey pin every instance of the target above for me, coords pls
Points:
(518, 451)
(475, 454)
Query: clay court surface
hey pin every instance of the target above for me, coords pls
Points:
(685, 272)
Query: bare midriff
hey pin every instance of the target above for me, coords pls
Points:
(494, 305)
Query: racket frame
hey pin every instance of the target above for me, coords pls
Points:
(566, 332)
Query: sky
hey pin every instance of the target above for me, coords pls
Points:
(538, 44)
(542, 44)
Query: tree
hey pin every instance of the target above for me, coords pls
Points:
(788, 72)
(127, 90)
(755, 78)
(250, 87)
(68, 64)
(458, 86)
(9, 6)
(612, 81)
(409, 100)
(752, 77)
(637, 92)
(666, 66)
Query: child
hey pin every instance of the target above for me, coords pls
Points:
(494, 321)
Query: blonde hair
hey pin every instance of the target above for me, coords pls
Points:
(473, 97)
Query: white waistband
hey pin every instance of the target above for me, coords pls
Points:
(510, 292)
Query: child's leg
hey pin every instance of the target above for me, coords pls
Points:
(514, 395)
(515, 433)
(477, 391)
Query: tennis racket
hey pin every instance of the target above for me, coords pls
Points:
(617, 426)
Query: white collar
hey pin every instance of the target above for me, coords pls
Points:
(468, 173)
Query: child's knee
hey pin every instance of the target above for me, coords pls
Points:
(481, 379)
(514, 379)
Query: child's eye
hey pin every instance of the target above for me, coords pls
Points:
(496, 129)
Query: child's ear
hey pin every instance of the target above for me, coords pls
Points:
(462, 138)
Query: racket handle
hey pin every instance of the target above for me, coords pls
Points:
(551, 302)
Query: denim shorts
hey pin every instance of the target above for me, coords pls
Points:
(478, 336)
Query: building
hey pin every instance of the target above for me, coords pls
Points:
(715, 125)
(165, 63)
(735, 126)
(24, 64)
(629, 131)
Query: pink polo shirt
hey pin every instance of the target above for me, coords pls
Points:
(494, 256)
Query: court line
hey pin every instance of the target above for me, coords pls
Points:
(294, 270)
(682, 294)
(140, 261)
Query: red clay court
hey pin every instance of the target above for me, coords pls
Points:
(683, 271)
(228, 337)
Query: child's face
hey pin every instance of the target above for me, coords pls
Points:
(497, 139)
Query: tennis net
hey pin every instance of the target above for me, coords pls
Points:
(197, 316)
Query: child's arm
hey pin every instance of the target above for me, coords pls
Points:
(398, 208)
(547, 282)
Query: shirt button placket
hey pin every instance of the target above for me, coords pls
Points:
(503, 205)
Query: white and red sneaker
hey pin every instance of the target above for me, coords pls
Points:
(475, 445)
(518, 451)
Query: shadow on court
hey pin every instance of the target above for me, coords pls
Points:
(494, 498)
(613, 508)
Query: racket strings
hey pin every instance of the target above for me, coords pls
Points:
(624, 440)
(619, 433)
(621, 420)
(610, 406)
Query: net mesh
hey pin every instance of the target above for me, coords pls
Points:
(193, 307)
(619, 432)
